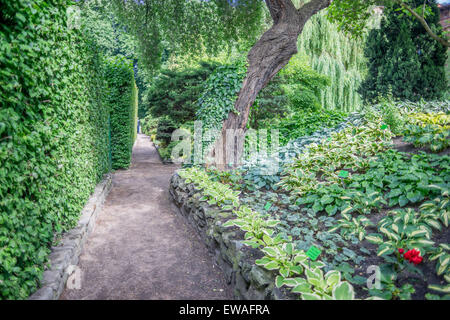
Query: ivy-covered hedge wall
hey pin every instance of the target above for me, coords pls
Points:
(122, 97)
(54, 134)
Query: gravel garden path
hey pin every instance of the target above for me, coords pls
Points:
(141, 248)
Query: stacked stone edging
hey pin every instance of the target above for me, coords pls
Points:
(249, 281)
(67, 252)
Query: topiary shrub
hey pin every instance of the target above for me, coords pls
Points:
(53, 135)
(122, 98)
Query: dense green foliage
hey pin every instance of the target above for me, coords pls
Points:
(303, 86)
(122, 98)
(218, 96)
(403, 59)
(106, 30)
(53, 135)
(60, 110)
(306, 122)
(175, 93)
(189, 27)
(358, 200)
(336, 55)
(270, 103)
(149, 126)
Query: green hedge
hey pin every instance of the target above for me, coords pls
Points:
(135, 104)
(122, 98)
(54, 133)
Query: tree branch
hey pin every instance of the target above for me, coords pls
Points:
(311, 8)
(278, 8)
(422, 21)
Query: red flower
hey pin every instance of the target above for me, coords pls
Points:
(416, 260)
(413, 256)
(401, 250)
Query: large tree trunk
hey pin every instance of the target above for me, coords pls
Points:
(271, 53)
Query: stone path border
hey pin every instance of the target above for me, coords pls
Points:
(65, 255)
(249, 281)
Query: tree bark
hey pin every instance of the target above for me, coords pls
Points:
(268, 56)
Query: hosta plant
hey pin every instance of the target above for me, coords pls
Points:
(442, 256)
(284, 258)
(322, 164)
(255, 226)
(213, 192)
(352, 226)
(318, 286)
(402, 229)
(388, 289)
(439, 207)
(428, 129)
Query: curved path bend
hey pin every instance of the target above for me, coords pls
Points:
(141, 248)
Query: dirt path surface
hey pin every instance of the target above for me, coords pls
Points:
(141, 248)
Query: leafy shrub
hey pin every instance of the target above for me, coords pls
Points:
(149, 125)
(303, 84)
(122, 99)
(164, 131)
(270, 103)
(53, 135)
(428, 129)
(175, 93)
(304, 123)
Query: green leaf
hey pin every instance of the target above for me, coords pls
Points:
(279, 281)
(330, 209)
(344, 291)
(310, 296)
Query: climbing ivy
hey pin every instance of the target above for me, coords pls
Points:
(219, 95)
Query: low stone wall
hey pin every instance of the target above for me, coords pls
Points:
(65, 255)
(249, 281)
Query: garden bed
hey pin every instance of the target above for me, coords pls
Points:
(371, 197)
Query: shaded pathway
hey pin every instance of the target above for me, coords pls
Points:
(141, 248)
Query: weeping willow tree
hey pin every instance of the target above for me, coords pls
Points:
(335, 54)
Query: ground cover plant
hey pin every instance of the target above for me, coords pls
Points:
(360, 200)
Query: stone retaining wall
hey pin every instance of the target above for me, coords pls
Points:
(65, 255)
(249, 281)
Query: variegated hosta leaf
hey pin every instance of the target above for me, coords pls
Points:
(374, 238)
(435, 256)
(311, 296)
(421, 242)
(332, 278)
(385, 249)
(434, 223)
(444, 288)
(443, 264)
(343, 291)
